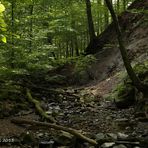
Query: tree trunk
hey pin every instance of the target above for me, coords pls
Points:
(76, 46)
(12, 35)
(106, 17)
(90, 21)
(118, 6)
(135, 80)
(98, 18)
(31, 27)
(124, 5)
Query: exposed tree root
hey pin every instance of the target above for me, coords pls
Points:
(39, 109)
(57, 127)
(31, 86)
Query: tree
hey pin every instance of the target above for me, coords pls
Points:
(135, 80)
(90, 22)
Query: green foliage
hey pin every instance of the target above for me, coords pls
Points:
(84, 62)
(57, 79)
(44, 35)
(2, 24)
(125, 93)
(141, 70)
(82, 69)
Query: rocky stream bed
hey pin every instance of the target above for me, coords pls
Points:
(97, 118)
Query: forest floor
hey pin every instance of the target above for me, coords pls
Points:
(84, 109)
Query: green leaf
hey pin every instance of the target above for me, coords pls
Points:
(2, 8)
(4, 40)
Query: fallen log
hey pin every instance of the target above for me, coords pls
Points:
(39, 109)
(57, 127)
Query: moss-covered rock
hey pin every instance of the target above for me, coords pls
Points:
(28, 138)
(56, 79)
(125, 93)
(126, 96)
(142, 70)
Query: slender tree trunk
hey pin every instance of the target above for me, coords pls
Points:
(67, 49)
(71, 48)
(98, 17)
(135, 80)
(106, 16)
(118, 6)
(124, 5)
(74, 38)
(12, 35)
(31, 27)
(76, 46)
(90, 21)
(60, 52)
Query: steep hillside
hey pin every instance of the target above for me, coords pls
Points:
(135, 31)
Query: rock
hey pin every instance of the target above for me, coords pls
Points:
(143, 119)
(140, 114)
(107, 144)
(144, 141)
(49, 112)
(109, 118)
(63, 147)
(46, 144)
(125, 95)
(100, 138)
(28, 138)
(122, 123)
(120, 146)
(122, 136)
(40, 135)
(65, 138)
(112, 136)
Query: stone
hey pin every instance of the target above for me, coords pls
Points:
(140, 114)
(120, 146)
(62, 147)
(65, 138)
(143, 119)
(40, 135)
(28, 138)
(122, 123)
(46, 144)
(112, 136)
(107, 144)
(144, 141)
(122, 136)
(100, 138)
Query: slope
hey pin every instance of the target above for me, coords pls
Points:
(133, 23)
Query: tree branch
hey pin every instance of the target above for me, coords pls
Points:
(57, 127)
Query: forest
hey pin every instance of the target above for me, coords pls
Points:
(74, 73)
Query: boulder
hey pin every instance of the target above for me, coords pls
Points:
(120, 146)
(107, 144)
